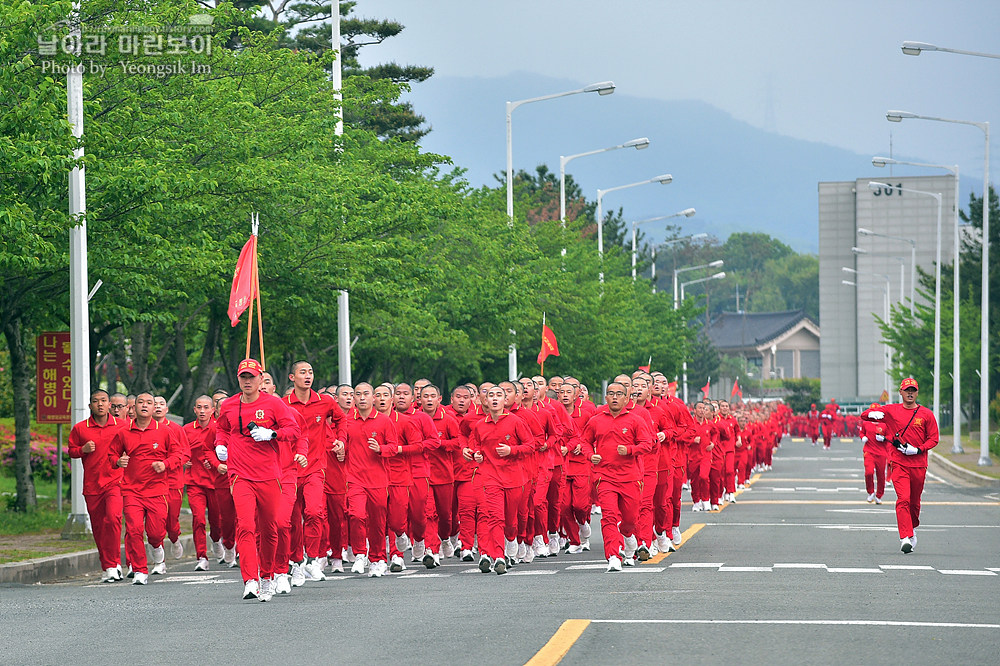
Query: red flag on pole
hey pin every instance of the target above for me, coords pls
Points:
(649, 364)
(549, 345)
(736, 389)
(672, 389)
(707, 387)
(244, 288)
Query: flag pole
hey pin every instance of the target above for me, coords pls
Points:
(542, 371)
(256, 286)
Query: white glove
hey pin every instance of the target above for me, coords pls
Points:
(880, 438)
(864, 440)
(222, 453)
(262, 434)
(911, 450)
(876, 415)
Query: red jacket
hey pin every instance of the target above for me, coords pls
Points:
(922, 432)
(248, 458)
(363, 466)
(487, 435)
(200, 439)
(156, 443)
(315, 412)
(97, 474)
(605, 432)
(440, 459)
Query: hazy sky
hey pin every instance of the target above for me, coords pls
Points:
(820, 70)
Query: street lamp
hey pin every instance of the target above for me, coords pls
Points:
(937, 292)
(678, 271)
(885, 349)
(956, 409)
(717, 276)
(687, 212)
(664, 179)
(602, 88)
(902, 266)
(984, 369)
(885, 315)
(913, 258)
(673, 241)
(914, 49)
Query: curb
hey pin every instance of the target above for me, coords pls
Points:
(67, 565)
(966, 474)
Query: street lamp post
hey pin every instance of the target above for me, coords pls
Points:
(885, 315)
(956, 409)
(716, 276)
(638, 144)
(664, 179)
(687, 212)
(902, 267)
(885, 311)
(984, 366)
(915, 48)
(602, 88)
(937, 292)
(913, 259)
(678, 271)
(668, 243)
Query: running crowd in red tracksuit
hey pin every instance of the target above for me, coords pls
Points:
(294, 486)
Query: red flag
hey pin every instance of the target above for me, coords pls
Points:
(549, 345)
(645, 368)
(244, 289)
(672, 389)
(706, 387)
(736, 389)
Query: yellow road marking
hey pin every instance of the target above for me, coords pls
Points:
(685, 535)
(784, 480)
(560, 643)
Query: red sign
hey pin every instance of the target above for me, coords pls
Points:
(52, 378)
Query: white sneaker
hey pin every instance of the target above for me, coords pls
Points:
(575, 550)
(377, 569)
(585, 544)
(202, 564)
(109, 575)
(359, 564)
(653, 550)
(314, 571)
(347, 554)
(906, 545)
(431, 560)
(402, 542)
(732, 497)
(266, 589)
(878, 500)
(643, 552)
(397, 565)
(522, 551)
(628, 562)
(158, 554)
(176, 549)
(447, 549)
(323, 561)
(500, 566)
(456, 543)
(913, 539)
(298, 578)
(595, 510)
(336, 566)
(467, 555)
(140, 579)
(218, 551)
(510, 548)
(118, 572)
(715, 507)
(419, 550)
(529, 554)
(696, 507)
(631, 544)
(741, 487)
(871, 497)
(662, 542)
(229, 556)
(282, 584)
(553, 544)
(614, 564)
(158, 569)
(539, 546)
(251, 590)
(676, 537)
(585, 531)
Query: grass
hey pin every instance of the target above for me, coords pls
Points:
(45, 517)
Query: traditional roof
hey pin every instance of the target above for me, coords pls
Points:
(741, 330)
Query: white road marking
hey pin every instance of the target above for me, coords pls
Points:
(696, 565)
(535, 572)
(174, 578)
(209, 582)
(856, 528)
(581, 567)
(422, 575)
(849, 623)
(768, 569)
(798, 565)
(643, 569)
(967, 572)
(906, 567)
(852, 570)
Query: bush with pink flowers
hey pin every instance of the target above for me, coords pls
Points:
(43, 455)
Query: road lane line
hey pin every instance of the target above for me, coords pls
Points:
(767, 569)
(853, 570)
(685, 535)
(560, 643)
(696, 565)
(906, 567)
(863, 503)
(847, 623)
(798, 565)
(967, 572)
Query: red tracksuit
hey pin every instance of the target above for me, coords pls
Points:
(368, 480)
(254, 475)
(101, 485)
(175, 482)
(618, 478)
(201, 486)
(503, 477)
(874, 452)
(650, 463)
(309, 511)
(576, 500)
(908, 472)
(442, 472)
(683, 435)
(144, 491)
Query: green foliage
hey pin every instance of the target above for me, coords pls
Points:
(802, 393)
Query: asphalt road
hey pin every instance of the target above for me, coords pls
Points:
(799, 570)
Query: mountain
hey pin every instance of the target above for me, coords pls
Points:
(738, 177)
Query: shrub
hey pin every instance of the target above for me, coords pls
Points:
(43, 455)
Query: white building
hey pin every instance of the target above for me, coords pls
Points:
(851, 349)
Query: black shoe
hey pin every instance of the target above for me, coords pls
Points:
(643, 553)
(485, 564)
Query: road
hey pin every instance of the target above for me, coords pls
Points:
(799, 570)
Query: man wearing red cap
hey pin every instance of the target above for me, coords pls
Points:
(912, 430)
(812, 424)
(874, 452)
(247, 433)
(828, 417)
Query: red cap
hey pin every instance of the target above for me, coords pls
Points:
(813, 405)
(250, 365)
(875, 405)
(909, 382)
